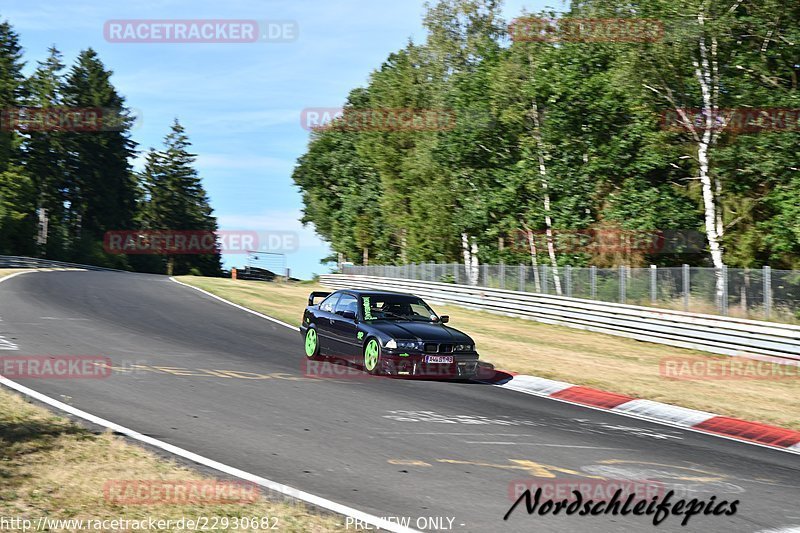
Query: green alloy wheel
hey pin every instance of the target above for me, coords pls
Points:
(312, 344)
(372, 356)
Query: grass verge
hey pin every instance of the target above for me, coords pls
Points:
(8, 271)
(54, 468)
(606, 362)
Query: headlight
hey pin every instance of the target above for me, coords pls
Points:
(405, 345)
(463, 347)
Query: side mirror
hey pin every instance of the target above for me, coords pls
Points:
(444, 319)
(351, 315)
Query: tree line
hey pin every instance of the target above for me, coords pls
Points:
(65, 182)
(556, 134)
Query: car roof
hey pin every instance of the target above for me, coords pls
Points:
(367, 292)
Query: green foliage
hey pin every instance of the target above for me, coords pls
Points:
(83, 180)
(16, 213)
(593, 112)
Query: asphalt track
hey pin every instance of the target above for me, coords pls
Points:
(228, 385)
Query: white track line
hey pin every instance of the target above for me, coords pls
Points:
(261, 315)
(199, 459)
(15, 274)
(6, 344)
(271, 485)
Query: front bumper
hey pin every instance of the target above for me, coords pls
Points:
(464, 366)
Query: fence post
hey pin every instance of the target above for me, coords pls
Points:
(593, 280)
(413, 271)
(502, 275)
(521, 278)
(544, 278)
(724, 302)
(485, 269)
(653, 281)
(568, 280)
(686, 287)
(455, 273)
(622, 280)
(767, 292)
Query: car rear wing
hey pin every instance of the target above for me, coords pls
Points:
(316, 294)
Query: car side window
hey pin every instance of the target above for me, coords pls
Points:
(347, 302)
(420, 310)
(328, 303)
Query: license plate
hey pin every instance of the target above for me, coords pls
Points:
(439, 359)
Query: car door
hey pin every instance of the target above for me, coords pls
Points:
(345, 328)
(324, 323)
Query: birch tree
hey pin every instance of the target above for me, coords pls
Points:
(682, 72)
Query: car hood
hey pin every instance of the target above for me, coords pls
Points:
(423, 331)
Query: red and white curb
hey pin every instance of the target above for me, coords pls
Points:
(692, 419)
(661, 413)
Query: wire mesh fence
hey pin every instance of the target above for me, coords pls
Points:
(760, 294)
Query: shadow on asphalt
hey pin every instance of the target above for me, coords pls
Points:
(489, 377)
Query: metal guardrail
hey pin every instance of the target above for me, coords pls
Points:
(751, 293)
(13, 261)
(711, 333)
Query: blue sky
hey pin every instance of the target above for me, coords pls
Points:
(240, 103)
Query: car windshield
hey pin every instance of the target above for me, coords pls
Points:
(397, 307)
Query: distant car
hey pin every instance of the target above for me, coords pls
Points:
(386, 333)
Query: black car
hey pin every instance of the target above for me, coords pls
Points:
(386, 333)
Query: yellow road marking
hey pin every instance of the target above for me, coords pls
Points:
(532, 467)
(203, 372)
(408, 462)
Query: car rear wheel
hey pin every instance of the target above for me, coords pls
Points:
(372, 357)
(312, 344)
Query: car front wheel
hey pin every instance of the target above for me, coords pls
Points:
(372, 357)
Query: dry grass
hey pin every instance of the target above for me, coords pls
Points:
(53, 468)
(284, 301)
(594, 359)
(8, 271)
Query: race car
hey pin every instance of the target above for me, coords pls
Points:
(386, 333)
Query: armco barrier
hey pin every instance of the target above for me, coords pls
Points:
(13, 261)
(727, 336)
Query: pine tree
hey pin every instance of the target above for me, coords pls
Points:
(17, 224)
(101, 188)
(46, 153)
(176, 200)
(11, 89)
